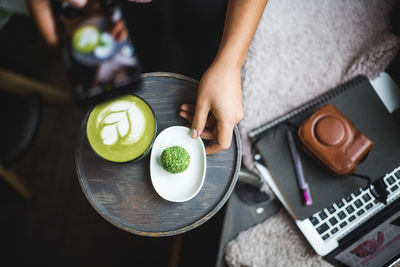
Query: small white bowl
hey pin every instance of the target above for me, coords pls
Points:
(182, 186)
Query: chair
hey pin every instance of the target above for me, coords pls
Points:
(20, 108)
(20, 112)
(20, 118)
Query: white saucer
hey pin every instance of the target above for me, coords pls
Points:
(182, 186)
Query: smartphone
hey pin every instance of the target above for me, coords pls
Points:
(97, 49)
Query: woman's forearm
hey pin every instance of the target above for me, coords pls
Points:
(242, 18)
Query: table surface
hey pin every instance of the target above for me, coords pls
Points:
(122, 192)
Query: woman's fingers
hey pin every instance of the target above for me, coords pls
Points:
(188, 107)
(224, 138)
(186, 115)
(207, 134)
(189, 116)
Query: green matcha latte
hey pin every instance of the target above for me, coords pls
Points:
(121, 129)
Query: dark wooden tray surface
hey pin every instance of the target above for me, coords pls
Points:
(122, 192)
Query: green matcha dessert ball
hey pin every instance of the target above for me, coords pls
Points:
(175, 159)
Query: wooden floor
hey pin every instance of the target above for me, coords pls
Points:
(58, 227)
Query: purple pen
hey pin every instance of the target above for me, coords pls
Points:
(299, 169)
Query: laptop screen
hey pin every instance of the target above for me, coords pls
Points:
(380, 246)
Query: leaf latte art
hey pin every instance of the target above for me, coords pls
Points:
(121, 129)
(121, 121)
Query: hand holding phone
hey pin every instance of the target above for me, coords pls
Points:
(42, 14)
(98, 51)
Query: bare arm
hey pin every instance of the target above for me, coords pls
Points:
(42, 14)
(242, 19)
(220, 88)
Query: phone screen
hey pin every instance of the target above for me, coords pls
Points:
(98, 51)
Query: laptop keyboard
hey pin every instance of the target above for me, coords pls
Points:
(343, 216)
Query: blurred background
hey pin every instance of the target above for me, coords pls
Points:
(58, 226)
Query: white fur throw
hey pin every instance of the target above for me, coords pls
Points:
(302, 49)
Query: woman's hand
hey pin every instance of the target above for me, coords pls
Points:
(219, 98)
(118, 31)
(218, 108)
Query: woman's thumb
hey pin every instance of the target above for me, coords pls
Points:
(199, 120)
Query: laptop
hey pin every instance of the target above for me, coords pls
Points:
(356, 229)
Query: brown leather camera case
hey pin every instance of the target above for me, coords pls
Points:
(331, 138)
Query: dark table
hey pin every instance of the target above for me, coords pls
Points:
(122, 192)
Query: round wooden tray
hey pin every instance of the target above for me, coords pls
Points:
(122, 192)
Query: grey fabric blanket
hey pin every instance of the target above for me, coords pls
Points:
(302, 49)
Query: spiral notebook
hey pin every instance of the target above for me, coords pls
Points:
(358, 101)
